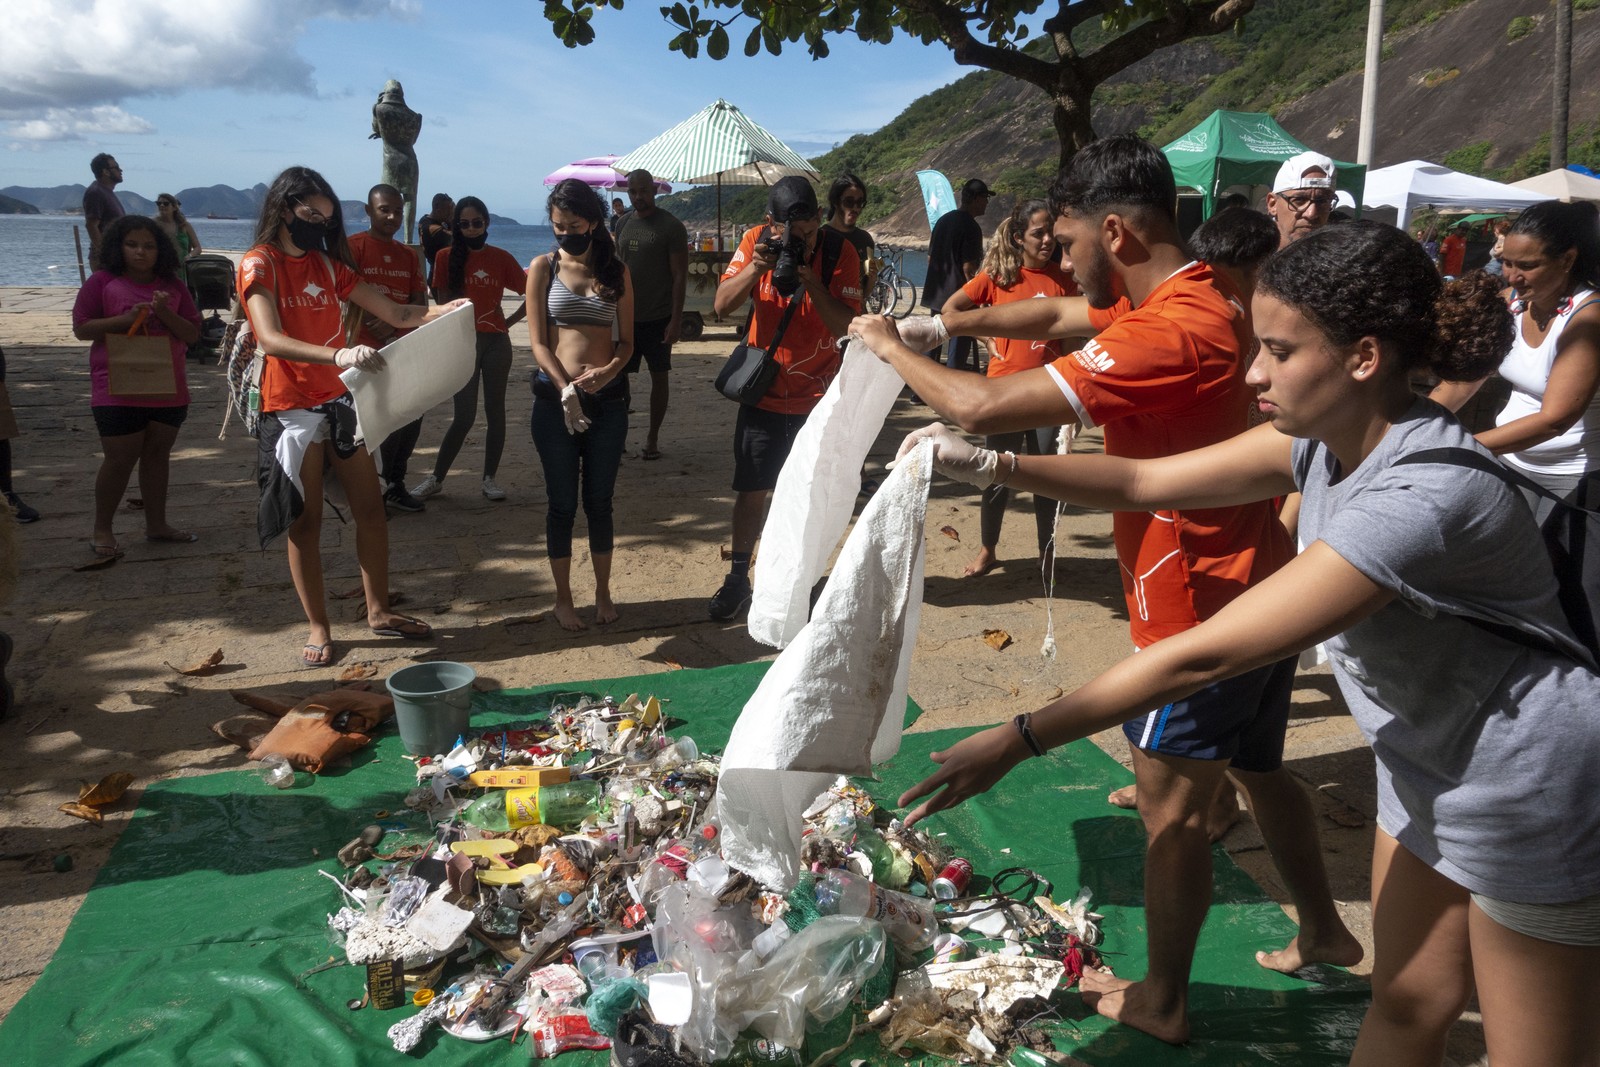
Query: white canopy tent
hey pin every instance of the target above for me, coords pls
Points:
(1562, 184)
(1405, 187)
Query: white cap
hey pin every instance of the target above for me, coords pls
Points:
(1292, 175)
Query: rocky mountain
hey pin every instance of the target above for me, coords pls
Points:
(9, 206)
(1463, 82)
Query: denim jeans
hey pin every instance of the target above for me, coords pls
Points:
(588, 460)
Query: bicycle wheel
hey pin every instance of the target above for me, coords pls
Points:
(905, 297)
(881, 300)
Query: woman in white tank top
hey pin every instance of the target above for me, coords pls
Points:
(1550, 428)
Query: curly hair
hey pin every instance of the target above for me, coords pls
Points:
(1003, 261)
(576, 198)
(1368, 279)
(112, 259)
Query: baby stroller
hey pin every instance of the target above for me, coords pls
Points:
(211, 285)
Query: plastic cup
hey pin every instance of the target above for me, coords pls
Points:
(277, 771)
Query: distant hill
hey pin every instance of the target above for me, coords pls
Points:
(1444, 96)
(212, 201)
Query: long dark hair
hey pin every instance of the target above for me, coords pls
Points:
(287, 190)
(111, 257)
(456, 277)
(841, 185)
(1367, 279)
(1558, 227)
(576, 198)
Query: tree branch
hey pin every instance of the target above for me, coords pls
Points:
(1204, 19)
(952, 19)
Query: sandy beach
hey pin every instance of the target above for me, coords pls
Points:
(96, 694)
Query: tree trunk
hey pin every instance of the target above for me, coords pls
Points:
(1073, 126)
(1561, 92)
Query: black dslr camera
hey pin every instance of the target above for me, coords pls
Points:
(790, 251)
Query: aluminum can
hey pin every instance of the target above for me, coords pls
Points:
(953, 880)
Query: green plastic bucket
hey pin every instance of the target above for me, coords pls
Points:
(432, 705)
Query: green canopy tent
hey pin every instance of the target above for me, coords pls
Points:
(1242, 148)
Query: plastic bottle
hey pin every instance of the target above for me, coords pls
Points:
(909, 922)
(563, 806)
(753, 1050)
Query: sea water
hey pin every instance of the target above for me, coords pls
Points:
(38, 249)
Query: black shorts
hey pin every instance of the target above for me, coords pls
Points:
(761, 442)
(119, 420)
(650, 346)
(1238, 720)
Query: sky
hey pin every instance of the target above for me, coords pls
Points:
(202, 92)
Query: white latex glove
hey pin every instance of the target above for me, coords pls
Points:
(363, 356)
(572, 410)
(954, 456)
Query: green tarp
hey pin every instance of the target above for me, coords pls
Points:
(190, 945)
(1242, 148)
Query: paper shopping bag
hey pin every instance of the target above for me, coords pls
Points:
(140, 365)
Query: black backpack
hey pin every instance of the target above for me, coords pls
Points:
(1571, 536)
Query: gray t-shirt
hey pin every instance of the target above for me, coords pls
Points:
(646, 246)
(1488, 751)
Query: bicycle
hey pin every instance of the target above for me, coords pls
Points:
(892, 293)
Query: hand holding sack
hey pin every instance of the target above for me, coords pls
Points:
(363, 357)
(954, 456)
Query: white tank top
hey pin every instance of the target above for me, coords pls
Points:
(1527, 369)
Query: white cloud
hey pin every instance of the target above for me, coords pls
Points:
(73, 54)
(79, 124)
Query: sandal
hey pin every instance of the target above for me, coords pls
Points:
(407, 628)
(176, 537)
(650, 453)
(314, 656)
(110, 551)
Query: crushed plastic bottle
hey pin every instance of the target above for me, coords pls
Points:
(909, 922)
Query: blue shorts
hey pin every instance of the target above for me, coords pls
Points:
(1241, 720)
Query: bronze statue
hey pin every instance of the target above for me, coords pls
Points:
(398, 125)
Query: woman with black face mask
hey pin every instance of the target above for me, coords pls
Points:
(291, 284)
(471, 267)
(581, 322)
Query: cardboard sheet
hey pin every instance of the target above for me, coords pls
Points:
(425, 366)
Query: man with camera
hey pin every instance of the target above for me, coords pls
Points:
(805, 283)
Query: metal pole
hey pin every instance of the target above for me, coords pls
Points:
(719, 212)
(1561, 89)
(1369, 84)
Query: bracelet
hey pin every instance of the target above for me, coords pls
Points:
(1024, 725)
(1002, 481)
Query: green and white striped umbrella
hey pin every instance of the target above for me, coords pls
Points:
(719, 145)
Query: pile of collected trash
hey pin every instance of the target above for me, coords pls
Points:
(573, 888)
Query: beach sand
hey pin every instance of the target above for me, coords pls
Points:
(94, 693)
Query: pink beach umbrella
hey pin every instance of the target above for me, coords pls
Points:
(598, 173)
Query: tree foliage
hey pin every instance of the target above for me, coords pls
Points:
(997, 35)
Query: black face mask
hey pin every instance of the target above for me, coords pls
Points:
(308, 236)
(475, 242)
(575, 244)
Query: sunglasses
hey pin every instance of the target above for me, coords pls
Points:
(1300, 203)
(852, 203)
(166, 203)
(473, 224)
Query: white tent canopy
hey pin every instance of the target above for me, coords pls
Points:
(1562, 184)
(1405, 187)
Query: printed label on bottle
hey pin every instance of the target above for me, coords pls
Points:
(522, 807)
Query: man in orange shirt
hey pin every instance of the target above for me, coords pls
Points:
(813, 316)
(395, 271)
(1453, 252)
(1161, 376)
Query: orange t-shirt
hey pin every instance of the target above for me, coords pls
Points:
(389, 267)
(1011, 355)
(1164, 378)
(1452, 254)
(307, 290)
(806, 356)
(488, 272)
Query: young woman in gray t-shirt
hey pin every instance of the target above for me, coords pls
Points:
(1486, 863)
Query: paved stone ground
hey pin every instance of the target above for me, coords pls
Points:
(95, 696)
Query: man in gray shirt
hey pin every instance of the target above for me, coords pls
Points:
(100, 204)
(655, 246)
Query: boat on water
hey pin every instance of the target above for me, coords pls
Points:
(214, 215)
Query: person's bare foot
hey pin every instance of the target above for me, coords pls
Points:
(1127, 1002)
(1342, 950)
(1224, 811)
(604, 610)
(983, 564)
(567, 616)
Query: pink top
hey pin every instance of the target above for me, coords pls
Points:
(106, 295)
